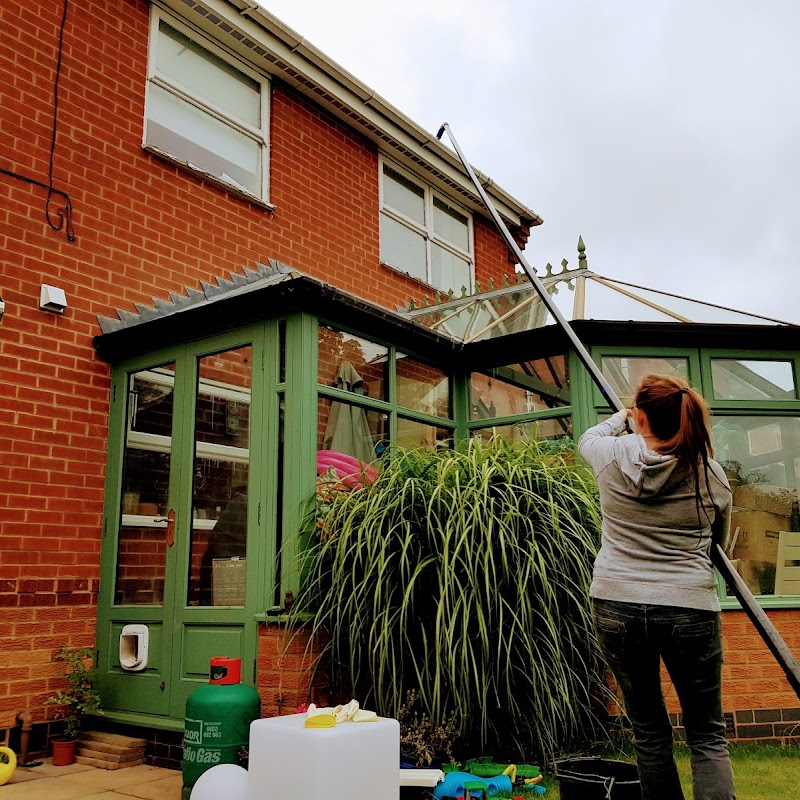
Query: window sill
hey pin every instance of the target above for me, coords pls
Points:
(218, 182)
(766, 601)
(280, 616)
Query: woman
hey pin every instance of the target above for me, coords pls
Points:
(665, 501)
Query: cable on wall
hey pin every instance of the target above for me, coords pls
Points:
(64, 214)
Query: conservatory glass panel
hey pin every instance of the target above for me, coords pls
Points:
(422, 387)
(455, 323)
(282, 351)
(601, 302)
(279, 484)
(555, 428)
(761, 457)
(142, 550)
(741, 379)
(218, 546)
(351, 429)
(693, 310)
(411, 433)
(533, 314)
(520, 388)
(351, 363)
(624, 373)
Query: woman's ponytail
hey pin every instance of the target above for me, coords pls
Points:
(679, 416)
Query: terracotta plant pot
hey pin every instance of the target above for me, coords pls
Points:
(63, 752)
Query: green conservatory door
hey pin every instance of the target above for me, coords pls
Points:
(184, 519)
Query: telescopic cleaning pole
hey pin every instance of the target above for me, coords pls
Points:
(765, 628)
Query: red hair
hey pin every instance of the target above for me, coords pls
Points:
(679, 416)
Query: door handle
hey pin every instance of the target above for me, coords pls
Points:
(170, 520)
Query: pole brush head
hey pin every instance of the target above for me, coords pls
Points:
(441, 131)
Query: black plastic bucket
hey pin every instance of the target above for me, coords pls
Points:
(597, 779)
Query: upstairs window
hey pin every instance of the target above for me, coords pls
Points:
(423, 234)
(206, 112)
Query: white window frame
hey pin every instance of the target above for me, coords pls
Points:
(426, 231)
(156, 78)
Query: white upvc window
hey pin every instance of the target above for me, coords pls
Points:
(422, 233)
(205, 109)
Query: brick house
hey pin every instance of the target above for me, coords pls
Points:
(257, 215)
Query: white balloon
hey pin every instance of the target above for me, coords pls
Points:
(223, 782)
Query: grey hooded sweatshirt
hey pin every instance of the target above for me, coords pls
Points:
(655, 549)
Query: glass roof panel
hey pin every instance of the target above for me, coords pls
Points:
(695, 310)
(603, 302)
(498, 312)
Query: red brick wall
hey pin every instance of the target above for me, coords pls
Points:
(755, 691)
(751, 677)
(286, 676)
(143, 227)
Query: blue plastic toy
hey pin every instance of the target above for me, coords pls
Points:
(453, 785)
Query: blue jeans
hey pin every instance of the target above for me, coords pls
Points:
(634, 638)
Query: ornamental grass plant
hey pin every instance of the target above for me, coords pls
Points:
(463, 576)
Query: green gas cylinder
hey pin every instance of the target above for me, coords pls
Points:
(218, 718)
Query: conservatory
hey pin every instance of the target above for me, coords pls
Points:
(223, 400)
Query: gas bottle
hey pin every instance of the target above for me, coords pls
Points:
(218, 718)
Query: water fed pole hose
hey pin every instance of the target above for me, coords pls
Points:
(765, 628)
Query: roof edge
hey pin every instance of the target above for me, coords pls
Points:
(241, 26)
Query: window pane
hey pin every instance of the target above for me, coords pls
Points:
(624, 373)
(351, 429)
(450, 224)
(417, 434)
(403, 248)
(202, 141)
(351, 363)
(558, 428)
(520, 388)
(761, 457)
(208, 76)
(282, 351)
(279, 484)
(448, 271)
(218, 546)
(403, 195)
(422, 387)
(142, 547)
(736, 379)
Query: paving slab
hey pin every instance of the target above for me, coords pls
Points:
(82, 782)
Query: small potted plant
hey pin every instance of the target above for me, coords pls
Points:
(77, 699)
(423, 741)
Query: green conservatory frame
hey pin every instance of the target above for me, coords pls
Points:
(279, 315)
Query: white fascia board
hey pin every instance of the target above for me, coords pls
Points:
(260, 38)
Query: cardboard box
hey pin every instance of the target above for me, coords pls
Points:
(758, 575)
(761, 497)
(759, 532)
(228, 581)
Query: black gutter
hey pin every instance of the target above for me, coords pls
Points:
(296, 294)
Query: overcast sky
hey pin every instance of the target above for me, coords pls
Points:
(666, 132)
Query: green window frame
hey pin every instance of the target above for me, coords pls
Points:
(391, 406)
(560, 416)
(691, 355)
(708, 357)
